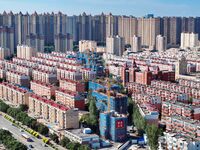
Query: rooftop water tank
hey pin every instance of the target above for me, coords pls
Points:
(87, 131)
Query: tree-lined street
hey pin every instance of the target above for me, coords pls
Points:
(36, 143)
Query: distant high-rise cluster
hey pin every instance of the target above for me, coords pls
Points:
(20, 27)
(7, 38)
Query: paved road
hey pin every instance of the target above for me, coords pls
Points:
(37, 143)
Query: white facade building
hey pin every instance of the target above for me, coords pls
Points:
(176, 141)
(136, 44)
(189, 40)
(161, 43)
(87, 45)
(115, 45)
(25, 52)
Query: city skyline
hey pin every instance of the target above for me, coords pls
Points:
(121, 7)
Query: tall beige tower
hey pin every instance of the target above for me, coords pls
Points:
(35, 41)
(7, 38)
(148, 29)
(63, 42)
(136, 44)
(111, 25)
(127, 28)
(161, 43)
(115, 45)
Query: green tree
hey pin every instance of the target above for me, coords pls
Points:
(18, 146)
(10, 142)
(93, 108)
(64, 141)
(73, 146)
(21, 116)
(1, 79)
(32, 123)
(3, 107)
(13, 112)
(54, 137)
(153, 135)
(53, 97)
(138, 120)
(84, 147)
(23, 107)
(42, 129)
(91, 119)
(190, 100)
(130, 110)
(85, 118)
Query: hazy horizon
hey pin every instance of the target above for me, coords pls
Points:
(136, 8)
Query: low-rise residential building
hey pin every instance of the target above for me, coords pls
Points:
(43, 89)
(44, 76)
(78, 135)
(149, 112)
(2, 73)
(144, 74)
(22, 61)
(52, 112)
(163, 93)
(189, 83)
(9, 65)
(182, 124)
(70, 99)
(63, 73)
(175, 140)
(18, 78)
(70, 65)
(75, 86)
(86, 45)
(24, 69)
(88, 74)
(46, 67)
(14, 94)
(170, 108)
(189, 90)
(140, 98)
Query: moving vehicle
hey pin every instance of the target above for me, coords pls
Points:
(26, 137)
(30, 146)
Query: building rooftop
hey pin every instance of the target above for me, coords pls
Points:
(180, 136)
(69, 80)
(175, 103)
(50, 102)
(42, 83)
(72, 93)
(22, 90)
(186, 119)
(79, 133)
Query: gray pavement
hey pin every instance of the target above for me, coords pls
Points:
(36, 143)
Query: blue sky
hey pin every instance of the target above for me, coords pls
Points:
(117, 7)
